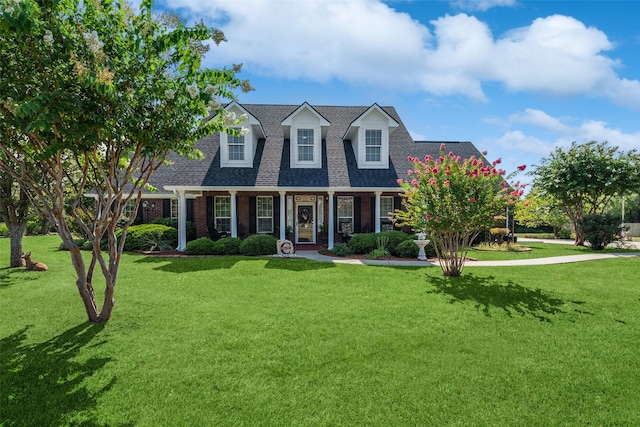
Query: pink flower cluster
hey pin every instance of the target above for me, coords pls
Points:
(450, 164)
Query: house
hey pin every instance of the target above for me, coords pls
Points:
(321, 172)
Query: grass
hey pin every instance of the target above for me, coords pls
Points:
(238, 341)
(539, 250)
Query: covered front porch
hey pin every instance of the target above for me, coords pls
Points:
(306, 216)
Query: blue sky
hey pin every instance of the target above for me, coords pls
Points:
(517, 78)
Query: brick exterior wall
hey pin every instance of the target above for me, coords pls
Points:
(151, 212)
(242, 206)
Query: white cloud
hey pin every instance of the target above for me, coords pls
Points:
(565, 134)
(517, 141)
(517, 147)
(541, 119)
(367, 42)
(458, 61)
(359, 41)
(595, 130)
(481, 5)
(556, 54)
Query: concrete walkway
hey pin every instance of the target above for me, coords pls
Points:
(316, 256)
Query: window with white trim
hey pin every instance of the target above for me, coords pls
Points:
(373, 145)
(174, 208)
(264, 213)
(128, 209)
(386, 207)
(222, 212)
(305, 145)
(236, 146)
(345, 214)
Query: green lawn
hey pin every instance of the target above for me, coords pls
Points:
(540, 250)
(237, 341)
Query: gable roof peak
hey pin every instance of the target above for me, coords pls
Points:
(305, 106)
(358, 121)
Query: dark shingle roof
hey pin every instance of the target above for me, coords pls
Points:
(271, 162)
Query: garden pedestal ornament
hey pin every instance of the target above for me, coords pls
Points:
(422, 242)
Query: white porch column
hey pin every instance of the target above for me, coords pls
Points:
(182, 221)
(377, 209)
(332, 220)
(234, 215)
(283, 211)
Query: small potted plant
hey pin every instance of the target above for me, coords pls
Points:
(324, 234)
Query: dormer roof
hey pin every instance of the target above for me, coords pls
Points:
(357, 123)
(324, 123)
(251, 120)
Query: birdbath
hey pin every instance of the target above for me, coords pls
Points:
(422, 242)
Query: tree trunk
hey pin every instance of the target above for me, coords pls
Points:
(109, 302)
(84, 286)
(450, 260)
(16, 231)
(87, 293)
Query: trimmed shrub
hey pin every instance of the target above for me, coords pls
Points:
(35, 228)
(394, 238)
(430, 250)
(408, 249)
(173, 223)
(363, 243)
(145, 237)
(340, 249)
(259, 244)
(600, 230)
(79, 242)
(201, 246)
(227, 246)
(4, 230)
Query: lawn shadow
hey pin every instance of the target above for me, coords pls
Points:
(207, 263)
(190, 264)
(44, 383)
(8, 276)
(297, 264)
(488, 293)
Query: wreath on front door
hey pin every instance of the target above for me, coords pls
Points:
(303, 215)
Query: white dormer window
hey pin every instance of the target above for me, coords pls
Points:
(237, 151)
(305, 128)
(373, 145)
(305, 145)
(369, 135)
(236, 147)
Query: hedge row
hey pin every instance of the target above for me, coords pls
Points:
(258, 244)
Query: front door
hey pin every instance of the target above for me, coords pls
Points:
(305, 223)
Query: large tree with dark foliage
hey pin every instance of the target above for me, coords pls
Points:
(585, 177)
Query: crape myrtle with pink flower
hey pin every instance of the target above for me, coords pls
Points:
(453, 200)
